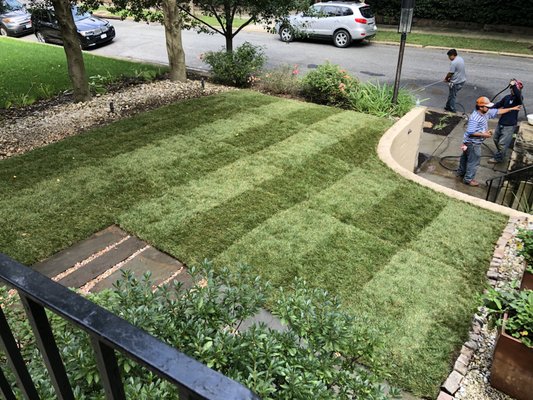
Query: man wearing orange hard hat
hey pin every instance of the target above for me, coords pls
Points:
(477, 131)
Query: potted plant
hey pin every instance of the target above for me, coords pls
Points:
(511, 311)
(525, 250)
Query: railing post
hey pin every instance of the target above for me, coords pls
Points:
(106, 361)
(48, 347)
(5, 388)
(16, 363)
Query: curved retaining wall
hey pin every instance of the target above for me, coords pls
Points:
(398, 148)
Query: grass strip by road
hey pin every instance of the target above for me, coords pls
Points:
(459, 42)
(291, 188)
(34, 71)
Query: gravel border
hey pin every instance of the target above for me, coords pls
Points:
(48, 122)
(470, 378)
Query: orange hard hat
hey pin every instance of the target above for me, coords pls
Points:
(483, 102)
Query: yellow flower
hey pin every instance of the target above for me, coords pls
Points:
(524, 333)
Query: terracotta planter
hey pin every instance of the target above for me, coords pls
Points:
(512, 367)
(527, 281)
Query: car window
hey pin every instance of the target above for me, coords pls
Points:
(313, 11)
(331, 11)
(10, 5)
(346, 11)
(366, 12)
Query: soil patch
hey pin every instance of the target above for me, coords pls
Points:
(441, 124)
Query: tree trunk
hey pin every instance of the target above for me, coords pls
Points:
(71, 45)
(229, 27)
(173, 25)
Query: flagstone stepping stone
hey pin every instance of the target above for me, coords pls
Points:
(96, 263)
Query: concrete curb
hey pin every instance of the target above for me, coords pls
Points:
(384, 153)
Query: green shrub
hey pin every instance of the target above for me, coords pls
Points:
(525, 248)
(518, 304)
(329, 85)
(376, 99)
(318, 356)
(238, 68)
(281, 80)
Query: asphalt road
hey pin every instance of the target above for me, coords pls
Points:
(487, 74)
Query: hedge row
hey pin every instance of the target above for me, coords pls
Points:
(493, 12)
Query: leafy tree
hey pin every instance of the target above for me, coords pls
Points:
(256, 11)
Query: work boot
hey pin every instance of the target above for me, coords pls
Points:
(473, 182)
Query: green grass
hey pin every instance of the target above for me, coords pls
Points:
(293, 189)
(25, 80)
(459, 42)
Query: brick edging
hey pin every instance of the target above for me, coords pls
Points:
(453, 382)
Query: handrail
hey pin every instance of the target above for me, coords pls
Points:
(514, 195)
(108, 333)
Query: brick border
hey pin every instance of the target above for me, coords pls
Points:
(453, 382)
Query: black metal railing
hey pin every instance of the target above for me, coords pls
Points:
(108, 333)
(514, 189)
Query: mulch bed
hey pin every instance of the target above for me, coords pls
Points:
(441, 123)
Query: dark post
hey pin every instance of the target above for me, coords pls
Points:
(404, 27)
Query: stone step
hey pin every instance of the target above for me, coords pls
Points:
(67, 258)
(96, 263)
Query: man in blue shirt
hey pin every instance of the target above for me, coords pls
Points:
(456, 78)
(503, 136)
(477, 131)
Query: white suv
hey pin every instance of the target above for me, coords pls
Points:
(342, 21)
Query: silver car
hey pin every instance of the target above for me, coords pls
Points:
(342, 21)
(15, 20)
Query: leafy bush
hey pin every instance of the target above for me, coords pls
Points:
(317, 356)
(281, 80)
(525, 249)
(237, 68)
(518, 304)
(329, 85)
(376, 99)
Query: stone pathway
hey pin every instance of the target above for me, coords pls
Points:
(96, 263)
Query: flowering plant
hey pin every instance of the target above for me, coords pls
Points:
(518, 305)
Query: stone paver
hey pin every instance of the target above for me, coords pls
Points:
(161, 265)
(67, 258)
(98, 262)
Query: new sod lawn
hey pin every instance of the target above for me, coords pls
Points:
(291, 188)
(32, 71)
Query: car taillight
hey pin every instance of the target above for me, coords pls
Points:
(361, 20)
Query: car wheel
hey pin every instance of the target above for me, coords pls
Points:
(286, 33)
(40, 37)
(342, 38)
(3, 31)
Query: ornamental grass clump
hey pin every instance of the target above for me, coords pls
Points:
(376, 99)
(284, 80)
(518, 305)
(317, 356)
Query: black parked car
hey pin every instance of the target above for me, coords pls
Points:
(91, 30)
(15, 20)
